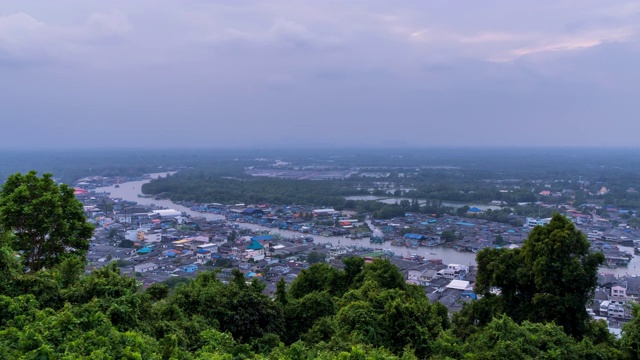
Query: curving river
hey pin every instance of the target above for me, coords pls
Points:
(130, 190)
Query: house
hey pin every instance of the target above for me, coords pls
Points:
(337, 251)
(427, 276)
(458, 285)
(209, 247)
(454, 271)
(153, 237)
(171, 253)
(202, 256)
(618, 291)
(252, 212)
(254, 251)
(190, 268)
(411, 236)
(145, 267)
(604, 308)
(165, 214)
(144, 251)
(278, 271)
(618, 309)
(414, 274)
(440, 284)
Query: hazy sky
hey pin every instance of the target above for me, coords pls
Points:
(200, 73)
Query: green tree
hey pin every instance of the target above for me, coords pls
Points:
(224, 263)
(318, 277)
(125, 243)
(316, 257)
(448, 236)
(47, 220)
(630, 340)
(499, 240)
(281, 292)
(300, 314)
(503, 338)
(550, 278)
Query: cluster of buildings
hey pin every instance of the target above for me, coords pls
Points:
(155, 244)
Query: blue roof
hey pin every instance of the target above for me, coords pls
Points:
(255, 245)
(262, 238)
(474, 209)
(144, 250)
(413, 236)
(464, 223)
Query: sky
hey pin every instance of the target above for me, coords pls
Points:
(293, 73)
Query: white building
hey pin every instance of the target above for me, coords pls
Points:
(131, 235)
(454, 271)
(166, 214)
(145, 267)
(153, 237)
(532, 222)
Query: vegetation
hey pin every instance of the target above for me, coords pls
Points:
(550, 278)
(47, 220)
(363, 311)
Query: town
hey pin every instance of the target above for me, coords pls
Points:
(269, 242)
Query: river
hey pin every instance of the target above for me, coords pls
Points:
(130, 190)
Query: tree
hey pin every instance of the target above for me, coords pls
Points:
(448, 236)
(46, 218)
(225, 263)
(316, 257)
(125, 243)
(550, 278)
(499, 240)
(630, 340)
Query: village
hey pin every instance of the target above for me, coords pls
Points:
(157, 244)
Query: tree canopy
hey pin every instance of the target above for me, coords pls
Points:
(550, 278)
(46, 219)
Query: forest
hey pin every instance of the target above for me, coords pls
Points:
(481, 176)
(365, 311)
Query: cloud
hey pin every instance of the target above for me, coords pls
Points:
(109, 24)
(24, 38)
(578, 42)
(428, 72)
(281, 32)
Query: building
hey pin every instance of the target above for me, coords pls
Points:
(145, 267)
(165, 214)
(190, 268)
(454, 271)
(153, 237)
(254, 251)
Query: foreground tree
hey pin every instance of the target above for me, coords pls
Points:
(549, 279)
(47, 220)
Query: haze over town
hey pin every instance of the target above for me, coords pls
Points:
(79, 73)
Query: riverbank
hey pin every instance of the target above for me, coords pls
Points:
(130, 190)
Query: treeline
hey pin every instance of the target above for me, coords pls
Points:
(470, 191)
(201, 187)
(364, 311)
